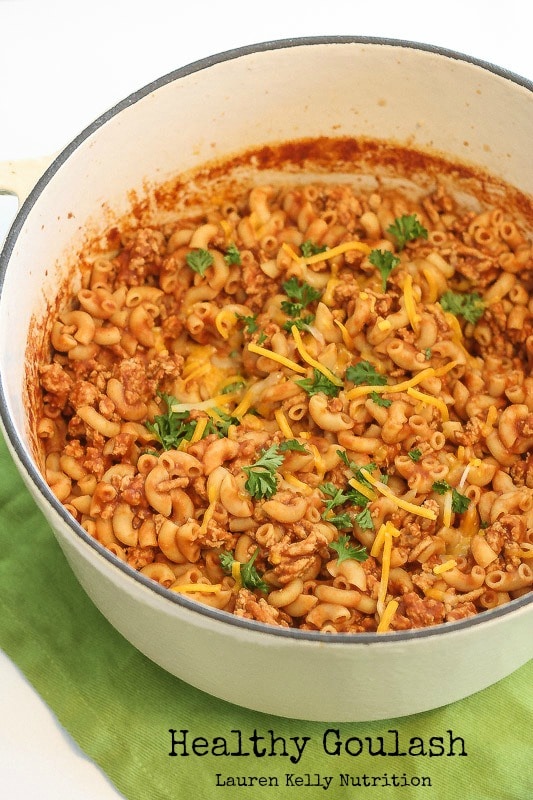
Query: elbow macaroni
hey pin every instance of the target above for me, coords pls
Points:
(395, 501)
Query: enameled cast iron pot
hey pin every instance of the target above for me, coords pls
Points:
(269, 92)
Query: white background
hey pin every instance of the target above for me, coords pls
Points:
(63, 64)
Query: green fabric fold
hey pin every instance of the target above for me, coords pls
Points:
(120, 708)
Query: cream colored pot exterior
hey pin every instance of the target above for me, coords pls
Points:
(241, 99)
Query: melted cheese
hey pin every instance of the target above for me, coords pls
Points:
(286, 362)
(311, 361)
(420, 511)
(225, 321)
(388, 614)
(327, 297)
(437, 402)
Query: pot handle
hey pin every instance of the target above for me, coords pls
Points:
(20, 176)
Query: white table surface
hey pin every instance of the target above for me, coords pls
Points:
(61, 65)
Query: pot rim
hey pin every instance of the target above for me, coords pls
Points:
(34, 475)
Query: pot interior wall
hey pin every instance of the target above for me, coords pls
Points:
(400, 93)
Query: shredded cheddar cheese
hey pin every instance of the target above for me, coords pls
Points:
(283, 424)
(437, 402)
(310, 360)
(388, 614)
(236, 574)
(445, 566)
(412, 508)
(285, 362)
(429, 372)
(346, 338)
(201, 425)
(296, 482)
(197, 588)
(362, 489)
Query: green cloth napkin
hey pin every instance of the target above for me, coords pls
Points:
(121, 708)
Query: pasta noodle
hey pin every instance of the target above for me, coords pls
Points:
(304, 401)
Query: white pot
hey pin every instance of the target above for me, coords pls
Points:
(271, 92)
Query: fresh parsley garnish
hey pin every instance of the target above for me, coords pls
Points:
(415, 454)
(345, 550)
(441, 487)
(379, 400)
(250, 577)
(233, 255)
(262, 479)
(405, 229)
(468, 306)
(364, 519)
(319, 383)
(364, 373)
(199, 260)
(250, 324)
(302, 323)
(384, 261)
(173, 427)
(309, 248)
(460, 502)
(293, 445)
(338, 497)
(300, 296)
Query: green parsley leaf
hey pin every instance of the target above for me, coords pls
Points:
(250, 324)
(293, 445)
(309, 248)
(173, 427)
(262, 479)
(199, 260)
(405, 229)
(302, 323)
(319, 383)
(364, 373)
(379, 400)
(427, 353)
(441, 487)
(468, 306)
(233, 255)
(415, 454)
(344, 550)
(341, 521)
(384, 261)
(460, 502)
(262, 338)
(250, 577)
(300, 293)
(364, 520)
(224, 421)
